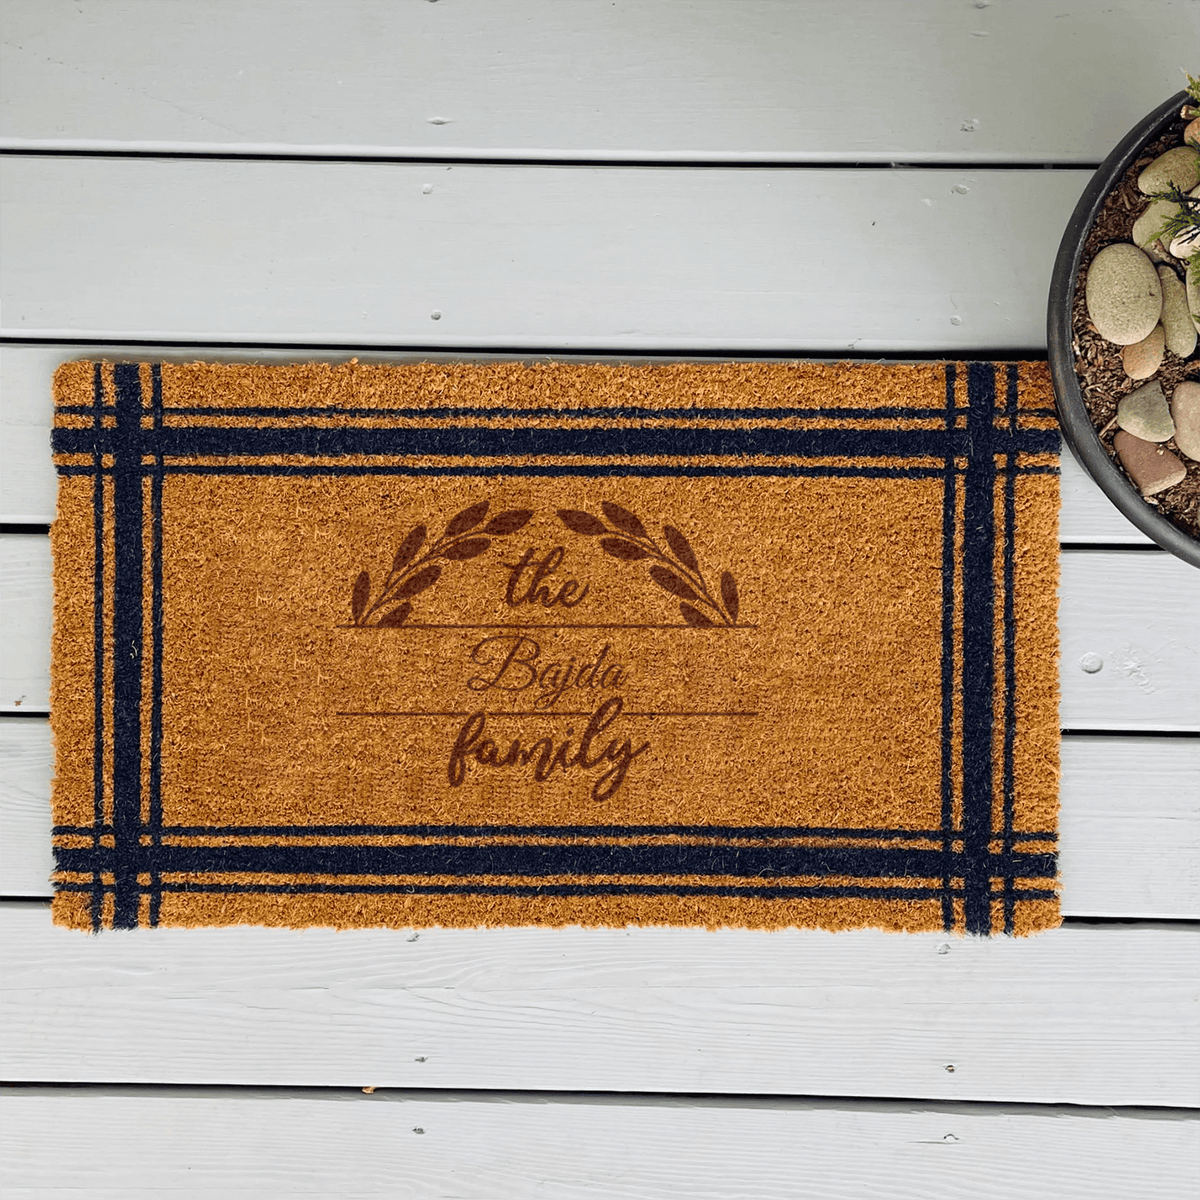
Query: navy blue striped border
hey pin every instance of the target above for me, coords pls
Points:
(1008, 781)
(547, 890)
(534, 859)
(128, 597)
(556, 470)
(509, 442)
(619, 412)
(98, 655)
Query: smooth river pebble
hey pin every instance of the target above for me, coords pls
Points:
(1176, 321)
(1124, 297)
(1145, 414)
(1185, 408)
(1143, 358)
(1152, 468)
(1148, 226)
(1179, 167)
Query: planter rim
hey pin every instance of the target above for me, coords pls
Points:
(1073, 416)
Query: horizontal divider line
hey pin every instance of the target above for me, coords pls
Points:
(557, 353)
(1173, 922)
(1132, 547)
(23, 528)
(646, 1099)
(1071, 921)
(1130, 733)
(533, 625)
(544, 713)
(459, 158)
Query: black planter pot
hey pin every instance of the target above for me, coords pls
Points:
(1073, 416)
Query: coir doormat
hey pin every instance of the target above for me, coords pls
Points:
(757, 645)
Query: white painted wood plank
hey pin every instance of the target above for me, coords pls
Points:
(1129, 828)
(1140, 613)
(25, 599)
(1089, 1015)
(1088, 516)
(123, 1144)
(827, 80)
(1136, 610)
(786, 260)
(26, 765)
(27, 481)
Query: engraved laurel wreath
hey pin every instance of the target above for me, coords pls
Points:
(460, 540)
(674, 567)
(676, 570)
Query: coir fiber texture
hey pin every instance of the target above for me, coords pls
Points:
(756, 645)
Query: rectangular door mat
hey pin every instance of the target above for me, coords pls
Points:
(756, 645)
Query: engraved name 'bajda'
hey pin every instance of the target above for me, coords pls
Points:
(514, 663)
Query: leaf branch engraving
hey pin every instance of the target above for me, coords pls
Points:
(413, 572)
(676, 569)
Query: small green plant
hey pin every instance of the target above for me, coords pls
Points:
(1190, 111)
(1184, 217)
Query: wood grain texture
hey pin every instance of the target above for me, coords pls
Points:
(756, 80)
(25, 599)
(786, 260)
(1099, 1015)
(220, 1144)
(26, 766)
(27, 480)
(1151, 652)
(1138, 612)
(1129, 828)
(1088, 516)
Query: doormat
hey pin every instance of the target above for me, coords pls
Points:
(744, 644)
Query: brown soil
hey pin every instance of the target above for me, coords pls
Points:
(1102, 377)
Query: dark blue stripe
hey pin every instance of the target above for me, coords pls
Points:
(527, 442)
(531, 861)
(1010, 628)
(98, 635)
(809, 892)
(640, 470)
(548, 470)
(978, 653)
(127, 645)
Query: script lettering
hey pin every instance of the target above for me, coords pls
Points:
(536, 592)
(471, 745)
(514, 664)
